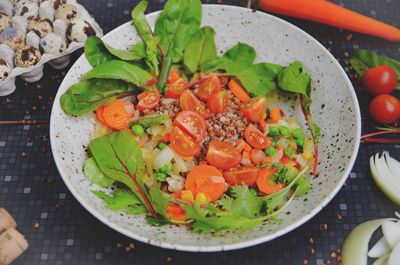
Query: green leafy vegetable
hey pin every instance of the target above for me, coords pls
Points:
(95, 51)
(160, 199)
(120, 158)
(154, 119)
(86, 96)
(126, 55)
(312, 126)
(303, 186)
(295, 79)
(200, 50)
(177, 24)
(237, 59)
(144, 30)
(365, 59)
(120, 70)
(122, 200)
(166, 68)
(94, 174)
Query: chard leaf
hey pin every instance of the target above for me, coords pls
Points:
(259, 79)
(176, 25)
(125, 55)
(200, 50)
(295, 79)
(122, 200)
(120, 70)
(94, 174)
(242, 203)
(237, 59)
(144, 30)
(120, 158)
(88, 95)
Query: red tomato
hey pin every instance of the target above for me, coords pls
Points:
(218, 102)
(255, 110)
(256, 138)
(209, 86)
(148, 99)
(189, 101)
(191, 123)
(175, 90)
(380, 80)
(222, 155)
(238, 176)
(182, 144)
(385, 109)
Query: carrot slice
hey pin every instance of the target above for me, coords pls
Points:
(175, 212)
(99, 115)
(238, 91)
(276, 114)
(264, 182)
(118, 113)
(331, 14)
(206, 179)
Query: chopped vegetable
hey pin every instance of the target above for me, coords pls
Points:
(117, 114)
(138, 129)
(151, 120)
(238, 91)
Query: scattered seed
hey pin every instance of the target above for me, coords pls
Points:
(8, 100)
(36, 226)
(305, 262)
(311, 240)
(34, 108)
(131, 246)
(169, 259)
(325, 227)
(312, 250)
(40, 97)
(349, 37)
(333, 255)
(119, 245)
(330, 42)
(338, 250)
(346, 54)
(127, 249)
(24, 154)
(339, 217)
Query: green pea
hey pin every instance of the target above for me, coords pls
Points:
(284, 130)
(138, 129)
(162, 146)
(289, 151)
(166, 168)
(300, 142)
(273, 131)
(161, 176)
(297, 133)
(270, 151)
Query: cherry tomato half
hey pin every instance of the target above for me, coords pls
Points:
(175, 85)
(209, 86)
(218, 102)
(189, 101)
(238, 176)
(182, 144)
(148, 100)
(255, 109)
(222, 155)
(191, 123)
(256, 138)
(380, 80)
(385, 109)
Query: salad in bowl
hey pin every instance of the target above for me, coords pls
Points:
(178, 132)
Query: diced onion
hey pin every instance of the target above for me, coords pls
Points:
(180, 164)
(277, 156)
(163, 157)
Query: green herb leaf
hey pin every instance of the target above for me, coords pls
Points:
(312, 126)
(151, 120)
(160, 199)
(295, 79)
(242, 203)
(259, 79)
(176, 25)
(122, 200)
(303, 186)
(88, 95)
(237, 59)
(200, 50)
(144, 30)
(125, 55)
(120, 70)
(95, 51)
(94, 174)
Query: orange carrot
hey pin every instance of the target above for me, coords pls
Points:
(331, 14)
(175, 212)
(238, 91)
(117, 114)
(264, 182)
(276, 114)
(99, 115)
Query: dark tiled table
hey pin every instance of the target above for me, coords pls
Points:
(32, 190)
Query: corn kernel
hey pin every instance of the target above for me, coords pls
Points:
(307, 155)
(201, 198)
(187, 195)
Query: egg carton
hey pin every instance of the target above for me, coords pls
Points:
(38, 43)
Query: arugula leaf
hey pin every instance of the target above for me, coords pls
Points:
(120, 158)
(122, 200)
(120, 70)
(237, 59)
(295, 79)
(176, 25)
(200, 50)
(242, 203)
(259, 79)
(303, 186)
(223, 222)
(94, 174)
(144, 30)
(86, 96)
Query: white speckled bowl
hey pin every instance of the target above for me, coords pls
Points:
(335, 108)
